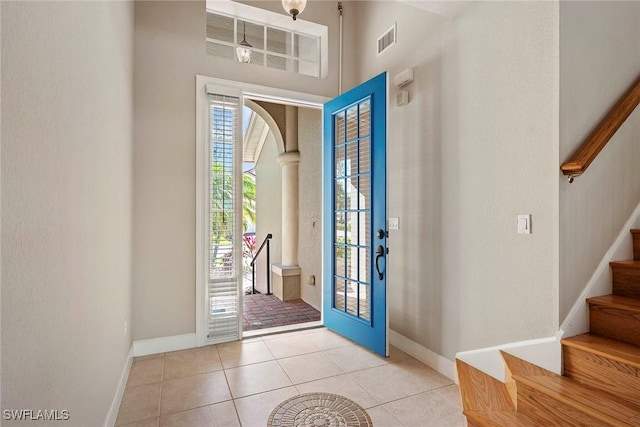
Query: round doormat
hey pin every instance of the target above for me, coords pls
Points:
(319, 410)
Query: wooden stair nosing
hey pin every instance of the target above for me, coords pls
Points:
(616, 301)
(595, 403)
(628, 263)
(606, 347)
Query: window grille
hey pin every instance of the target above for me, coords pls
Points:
(272, 47)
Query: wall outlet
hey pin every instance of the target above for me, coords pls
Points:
(312, 280)
(126, 327)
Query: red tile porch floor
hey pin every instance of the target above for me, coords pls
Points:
(267, 311)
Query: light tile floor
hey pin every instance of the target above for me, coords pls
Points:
(240, 383)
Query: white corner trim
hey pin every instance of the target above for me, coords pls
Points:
(543, 352)
(110, 420)
(164, 344)
(441, 364)
(577, 321)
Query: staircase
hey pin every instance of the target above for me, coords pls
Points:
(601, 381)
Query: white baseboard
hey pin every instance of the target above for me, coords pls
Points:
(441, 364)
(544, 352)
(110, 420)
(164, 344)
(577, 321)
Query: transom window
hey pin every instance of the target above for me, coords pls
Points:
(299, 50)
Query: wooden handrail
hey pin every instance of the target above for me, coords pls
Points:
(600, 136)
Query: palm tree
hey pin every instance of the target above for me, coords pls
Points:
(221, 205)
(248, 201)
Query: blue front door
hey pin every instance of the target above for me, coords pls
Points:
(355, 300)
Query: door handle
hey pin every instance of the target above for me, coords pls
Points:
(379, 254)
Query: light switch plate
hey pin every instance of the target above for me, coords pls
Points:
(394, 223)
(524, 224)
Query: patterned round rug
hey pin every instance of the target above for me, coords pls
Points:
(319, 410)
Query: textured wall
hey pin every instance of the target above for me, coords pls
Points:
(0, 210)
(170, 50)
(599, 59)
(310, 202)
(67, 116)
(477, 145)
(500, 159)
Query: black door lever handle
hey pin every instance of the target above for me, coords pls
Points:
(379, 254)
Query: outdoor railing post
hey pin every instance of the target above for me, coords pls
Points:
(253, 265)
(253, 278)
(268, 270)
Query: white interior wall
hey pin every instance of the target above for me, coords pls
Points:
(170, 50)
(0, 209)
(67, 121)
(310, 203)
(477, 145)
(268, 209)
(413, 162)
(599, 59)
(500, 159)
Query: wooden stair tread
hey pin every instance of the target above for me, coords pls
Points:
(635, 230)
(631, 263)
(499, 419)
(606, 347)
(596, 403)
(616, 301)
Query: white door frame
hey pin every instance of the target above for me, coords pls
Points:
(248, 91)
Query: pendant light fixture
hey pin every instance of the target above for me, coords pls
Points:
(244, 50)
(294, 7)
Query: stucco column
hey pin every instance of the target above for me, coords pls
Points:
(287, 275)
(289, 162)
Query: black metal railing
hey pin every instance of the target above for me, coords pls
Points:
(253, 265)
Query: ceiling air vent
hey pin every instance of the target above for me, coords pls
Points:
(387, 39)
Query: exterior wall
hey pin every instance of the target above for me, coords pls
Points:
(268, 209)
(310, 202)
(599, 59)
(477, 145)
(67, 122)
(170, 50)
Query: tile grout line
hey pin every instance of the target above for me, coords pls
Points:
(285, 372)
(233, 400)
(381, 406)
(161, 389)
(263, 392)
